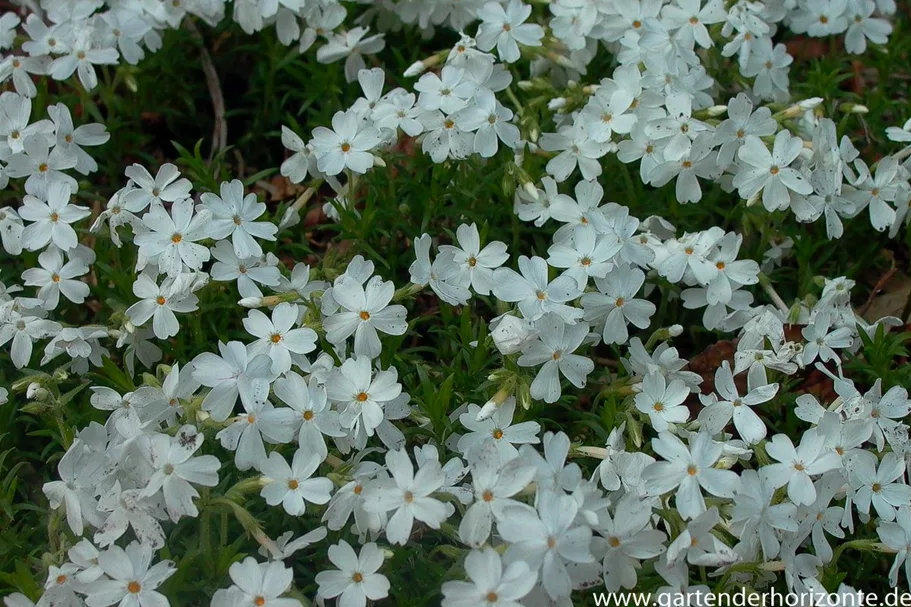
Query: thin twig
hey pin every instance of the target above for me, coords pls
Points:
(220, 132)
(880, 285)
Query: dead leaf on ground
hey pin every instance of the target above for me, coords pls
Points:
(891, 298)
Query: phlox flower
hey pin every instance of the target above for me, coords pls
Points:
(499, 427)
(534, 294)
(293, 486)
(357, 578)
(277, 336)
(408, 494)
(365, 311)
(171, 239)
(234, 215)
(490, 579)
(554, 347)
(130, 581)
(260, 584)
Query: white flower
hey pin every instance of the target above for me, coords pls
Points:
(547, 539)
(883, 486)
(489, 119)
(171, 241)
(356, 579)
(688, 470)
(233, 215)
(70, 139)
(662, 401)
(499, 428)
(539, 208)
(51, 220)
(366, 310)
(346, 145)
(278, 339)
(796, 465)
(361, 396)
(132, 581)
(554, 347)
(176, 468)
(615, 303)
(166, 186)
(408, 494)
(732, 272)
(11, 229)
(511, 334)
(756, 520)
(79, 471)
(770, 67)
(159, 302)
(352, 44)
(771, 171)
(897, 535)
(230, 375)
(43, 166)
(698, 546)
(630, 538)
(822, 338)
(301, 162)
(446, 136)
(82, 58)
(23, 330)
(311, 402)
(477, 264)
(448, 92)
(717, 415)
(55, 277)
(554, 474)
(495, 482)
(690, 18)
(742, 121)
(259, 584)
(443, 275)
(505, 27)
(534, 294)
(292, 486)
(576, 147)
(490, 580)
(246, 433)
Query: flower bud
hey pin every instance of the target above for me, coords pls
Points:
(36, 392)
(510, 333)
(415, 69)
(854, 108)
(556, 103)
(717, 110)
(251, 302)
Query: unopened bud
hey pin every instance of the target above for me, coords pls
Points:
(675, 330)
(525, 85)
(717, 110)
(415, 69)
(596, 452)
(251, 302)
(531, 190)
(855, 108)
(35, 391)
(556, 103)
(493, 404)
(510, 333)
(810, 104)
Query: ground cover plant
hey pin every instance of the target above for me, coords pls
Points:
(458, 302)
